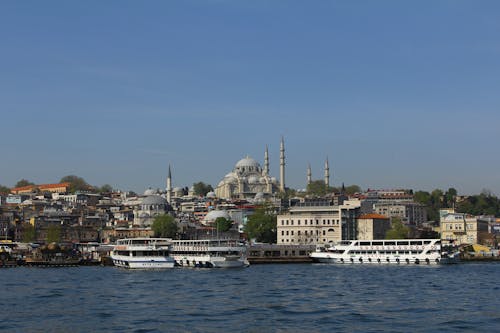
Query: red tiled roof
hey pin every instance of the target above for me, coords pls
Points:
(372, 216)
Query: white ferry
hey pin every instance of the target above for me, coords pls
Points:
(216, 253)
(142, 253)
(396, 251)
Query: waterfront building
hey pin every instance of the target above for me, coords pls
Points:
(462, 228)
(318, 223)
(372, 226)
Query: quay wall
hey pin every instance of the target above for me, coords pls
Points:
(279, 254)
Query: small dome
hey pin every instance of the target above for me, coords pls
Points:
(214, 214)
(154, 200)
(211, 195)
(149, 191)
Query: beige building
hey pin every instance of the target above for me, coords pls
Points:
(463, 229)
(372, 226)
(317, 224)
(409, 212)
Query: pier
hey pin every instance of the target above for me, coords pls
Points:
(279, 254)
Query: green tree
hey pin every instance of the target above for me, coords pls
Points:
(398, 230)
(261, 225)
(4, 189)
(164, 226)
(352, 189)
(222, 224)
(106, 188)
(23, 182)
(201, 189)
(53, 234)
(76, 183)
(29, 234)
(318, 188)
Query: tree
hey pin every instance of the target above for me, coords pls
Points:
(352, 189)
(53, 234)
(222, 224)
(261, 225)
(164, 226)
(4, 189)
(398, 230)
(76, 183)
(106, 188)
(28, 233)
(318, 188)
(201, 189)
(23, 182)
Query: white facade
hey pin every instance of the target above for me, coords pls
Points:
(316, 224)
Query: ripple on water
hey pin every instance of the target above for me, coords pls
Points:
(267, 298)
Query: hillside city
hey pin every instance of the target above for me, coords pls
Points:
(247, 203)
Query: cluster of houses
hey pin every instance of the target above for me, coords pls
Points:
(35, 213)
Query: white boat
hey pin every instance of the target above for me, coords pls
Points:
(216, 253)
(393, 251)
(142, 253)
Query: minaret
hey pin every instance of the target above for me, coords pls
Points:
(309, 174)
(282, 165)
(266, 162)
(169, 185)
(327, 173)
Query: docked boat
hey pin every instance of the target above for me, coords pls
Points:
(400, 251)
(216, 253)
(143, 253)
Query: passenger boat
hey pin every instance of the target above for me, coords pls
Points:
(142, 253)
(400, 251)
(216, 253)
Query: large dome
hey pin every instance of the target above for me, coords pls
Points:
(154, 200)
(247, 162)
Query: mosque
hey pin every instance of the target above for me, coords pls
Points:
(248, 180)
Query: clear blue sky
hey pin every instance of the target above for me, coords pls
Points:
(397, 94)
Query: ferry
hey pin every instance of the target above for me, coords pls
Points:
(210, 253)
(142, 253)
(394, 251)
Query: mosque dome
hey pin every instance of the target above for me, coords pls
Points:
(149, 191)
(154, 200)
(214, 214)
(247, 162)
(211, 195)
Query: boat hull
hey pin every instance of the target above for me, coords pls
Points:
(209, 262)
(143, 263)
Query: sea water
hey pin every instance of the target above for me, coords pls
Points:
(261, 298)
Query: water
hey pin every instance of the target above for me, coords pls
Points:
(261, 298)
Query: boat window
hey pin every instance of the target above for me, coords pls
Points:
(390, 243)
(415, 242)
(364, 243)
(378, 243)
(402, 243)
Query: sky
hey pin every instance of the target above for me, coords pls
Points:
(396, 94)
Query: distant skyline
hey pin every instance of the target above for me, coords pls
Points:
(395, 94)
